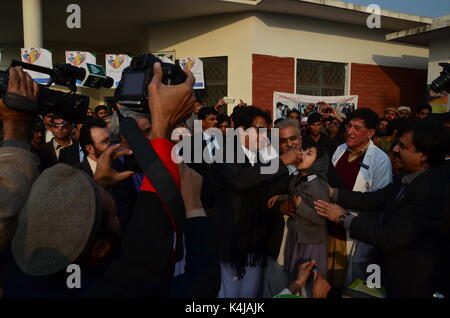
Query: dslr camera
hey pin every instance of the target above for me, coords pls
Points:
(72, 106)
(132, 88)
(442, 83)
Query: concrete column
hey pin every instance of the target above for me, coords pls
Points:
(32, 23)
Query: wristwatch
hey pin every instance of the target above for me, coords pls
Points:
(343, 218)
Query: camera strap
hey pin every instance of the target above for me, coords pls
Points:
(159, 176)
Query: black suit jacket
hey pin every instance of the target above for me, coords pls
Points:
(235, 186)
(407, 232)
(70, 155)
(205, 170)
(85, 166)
(47, 155)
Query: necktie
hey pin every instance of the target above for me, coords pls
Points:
(213, 148)
(401, 192)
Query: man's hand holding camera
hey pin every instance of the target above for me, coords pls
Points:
(169, 104)
(15, 123)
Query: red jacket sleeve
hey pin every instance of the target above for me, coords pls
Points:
(163, 149)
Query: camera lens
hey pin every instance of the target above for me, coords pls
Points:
(441, 83)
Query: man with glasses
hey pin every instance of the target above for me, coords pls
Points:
(362, 167)
(61, 148)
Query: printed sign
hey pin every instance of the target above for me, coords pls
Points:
(194, 65)
(37, 56)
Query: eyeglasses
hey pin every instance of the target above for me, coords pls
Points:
(61, 125)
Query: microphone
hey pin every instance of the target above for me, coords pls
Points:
(96, 77)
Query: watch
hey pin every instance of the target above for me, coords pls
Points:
(343, 218)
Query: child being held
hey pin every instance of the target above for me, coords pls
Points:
(307, 231)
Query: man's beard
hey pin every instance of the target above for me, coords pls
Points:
(97, 153)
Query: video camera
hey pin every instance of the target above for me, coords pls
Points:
(72, 106)
(442, 83)
(132, 88)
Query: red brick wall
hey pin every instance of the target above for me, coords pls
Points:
(379, 87)
(271, 74)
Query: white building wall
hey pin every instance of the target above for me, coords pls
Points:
(223, 35)
(238, 36)
(313, 39)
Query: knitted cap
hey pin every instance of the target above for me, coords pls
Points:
(393, 109)
(56, 222)
(404, 108)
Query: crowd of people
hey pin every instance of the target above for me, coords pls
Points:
(350, 190)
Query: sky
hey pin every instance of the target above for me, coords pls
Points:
(427, 8)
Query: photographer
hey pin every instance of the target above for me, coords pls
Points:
(18, 164)
(145, 267)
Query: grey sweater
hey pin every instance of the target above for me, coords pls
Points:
(309, 227)
(18, 171)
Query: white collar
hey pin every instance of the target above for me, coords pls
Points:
(267, 154)
(92, 164)
(250, 155)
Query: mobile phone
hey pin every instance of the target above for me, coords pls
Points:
(315, 268)
(228, 100)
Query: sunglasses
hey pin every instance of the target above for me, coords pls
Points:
(62, 126)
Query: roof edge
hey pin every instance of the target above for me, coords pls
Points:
(414, 31)
(365, 9)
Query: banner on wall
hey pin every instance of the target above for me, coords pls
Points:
(115, 64)
(37, 56)
(79, 59)
(284, 102)
(195, 65)
(440, 103)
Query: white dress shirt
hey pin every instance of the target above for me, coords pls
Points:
(209, 143)
(92, 164)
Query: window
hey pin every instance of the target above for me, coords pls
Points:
(320, 78)
(216, 80)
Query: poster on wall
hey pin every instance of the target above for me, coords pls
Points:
(284, 102)
(115, 64)
(440, 103)
(195, 65)
(79, 59)
(37, 56)
(166, 56)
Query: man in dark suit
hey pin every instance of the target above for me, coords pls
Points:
(61, 148)
(209, 146)
(241, 190)
(94, 140)
(408, 231)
